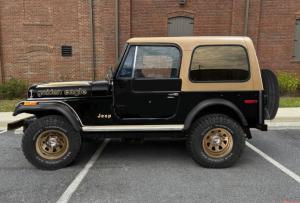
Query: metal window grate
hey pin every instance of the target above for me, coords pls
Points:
(180, 26)
(66, 51)
(296, 55)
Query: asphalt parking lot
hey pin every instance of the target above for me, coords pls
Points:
(160, 171)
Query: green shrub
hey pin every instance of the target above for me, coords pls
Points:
(288, 83)
(13, 88)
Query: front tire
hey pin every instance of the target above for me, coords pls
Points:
(51, 143)
(216, 141)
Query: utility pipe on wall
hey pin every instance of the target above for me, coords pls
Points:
(1, 57)
(117, 29)
(92, 30)
(246, 19)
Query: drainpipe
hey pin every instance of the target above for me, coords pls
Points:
(246, 19)
(92, 28)
(1, 57)
(117, 29)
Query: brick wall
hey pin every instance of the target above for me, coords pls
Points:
(32, 34)
(33, 31)
(276, 34)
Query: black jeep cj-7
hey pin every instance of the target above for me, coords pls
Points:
(209, 90)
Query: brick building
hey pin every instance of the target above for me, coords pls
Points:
(36, 36)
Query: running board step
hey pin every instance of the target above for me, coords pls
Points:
(132, 128)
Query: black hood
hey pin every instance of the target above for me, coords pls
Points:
(69, 89)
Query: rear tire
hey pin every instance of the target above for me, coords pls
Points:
(51, 143)
(216, 141)
(271, 90)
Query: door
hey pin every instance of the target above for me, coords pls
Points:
(180, 26)
(147, 85)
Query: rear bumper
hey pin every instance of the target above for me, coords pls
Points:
(262, 127)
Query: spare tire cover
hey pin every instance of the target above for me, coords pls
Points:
(271, 92)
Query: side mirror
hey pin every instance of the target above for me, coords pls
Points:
(109, 74)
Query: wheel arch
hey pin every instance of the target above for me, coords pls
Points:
(52, 108)
(215, 106)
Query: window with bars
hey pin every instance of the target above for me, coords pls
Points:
(297, 41)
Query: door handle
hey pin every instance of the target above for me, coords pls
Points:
(173, 94)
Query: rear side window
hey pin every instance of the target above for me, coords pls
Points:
(219, 63)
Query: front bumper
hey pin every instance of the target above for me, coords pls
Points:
(20, 123)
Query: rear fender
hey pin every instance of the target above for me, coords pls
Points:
(209, 103)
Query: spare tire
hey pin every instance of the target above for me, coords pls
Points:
(271, 93)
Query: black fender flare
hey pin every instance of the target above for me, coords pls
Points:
(212, 102)
(55, 106)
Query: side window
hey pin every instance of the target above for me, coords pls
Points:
(219, 63)
(156, 62)
(127, 66)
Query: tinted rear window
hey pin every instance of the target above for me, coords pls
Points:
(219, 63)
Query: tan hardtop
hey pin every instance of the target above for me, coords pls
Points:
(188, 43)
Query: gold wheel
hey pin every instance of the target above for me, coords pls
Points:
(52, 144)
(217, 142)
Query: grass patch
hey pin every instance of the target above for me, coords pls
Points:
(289, 102)
(8, 105)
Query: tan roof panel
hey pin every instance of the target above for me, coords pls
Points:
(191, 42)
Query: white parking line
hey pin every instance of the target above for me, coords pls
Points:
(275, 163)
(66, 196)
(19, 131)
(4, 131)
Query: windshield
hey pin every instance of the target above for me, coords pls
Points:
(120, 58)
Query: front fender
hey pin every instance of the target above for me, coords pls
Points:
(58, 107)
(213, 102)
